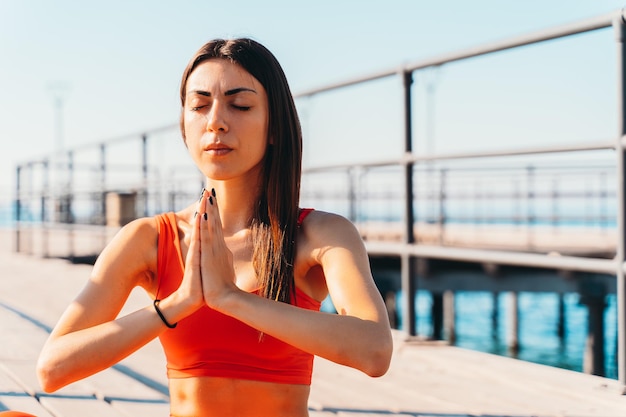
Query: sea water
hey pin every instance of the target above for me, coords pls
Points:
(539, 339)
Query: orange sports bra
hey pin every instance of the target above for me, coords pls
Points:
(209, 343)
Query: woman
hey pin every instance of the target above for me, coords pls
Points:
(239, 318)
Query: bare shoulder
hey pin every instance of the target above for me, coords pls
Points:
(131, 253)
(324, 230)
(140, 234)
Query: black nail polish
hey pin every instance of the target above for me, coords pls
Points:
(205, 216)
(211, 200)
(202, 194)
(213, 191)
(195, 214)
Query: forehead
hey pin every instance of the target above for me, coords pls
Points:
(220, 75)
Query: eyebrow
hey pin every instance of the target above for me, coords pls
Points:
(227, 93)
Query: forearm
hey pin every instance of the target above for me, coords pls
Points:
(67, 358)
(364, 344)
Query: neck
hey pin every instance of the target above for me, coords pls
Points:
(236, 201)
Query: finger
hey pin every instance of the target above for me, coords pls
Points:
(205, 227)
(215, 221)
(193, 253)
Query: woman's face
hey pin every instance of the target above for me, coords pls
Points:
(225, 118)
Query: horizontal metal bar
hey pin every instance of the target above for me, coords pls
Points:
(347, 83)
(107, 142)
(570, 263)
(409, 158)
(588, 146)
(586, 25)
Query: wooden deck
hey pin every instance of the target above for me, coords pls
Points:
(425, 379)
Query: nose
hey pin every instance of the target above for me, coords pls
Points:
(215, 119)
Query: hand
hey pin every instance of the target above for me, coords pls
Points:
(216, 260)
(190, 289)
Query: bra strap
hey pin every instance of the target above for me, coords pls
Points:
(302, 215)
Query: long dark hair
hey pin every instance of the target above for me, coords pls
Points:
(274, 225)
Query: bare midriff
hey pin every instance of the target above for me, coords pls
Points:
(224, 397)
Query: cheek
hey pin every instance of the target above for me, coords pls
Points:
(190, 128)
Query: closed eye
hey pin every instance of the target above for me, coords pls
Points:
(242, 108)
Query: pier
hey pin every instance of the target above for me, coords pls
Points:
(426, 379)
(537, 219)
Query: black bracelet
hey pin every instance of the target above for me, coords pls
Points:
(156, 307)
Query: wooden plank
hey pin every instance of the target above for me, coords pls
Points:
(106, 390)
(67, 406)
(24, 373)
(24, 403)
(436, 379)
(13, 397)
(135, 408)
(111, 384)
(313, 413)
(505, 380)
(21, 339)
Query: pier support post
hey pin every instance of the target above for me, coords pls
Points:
(436, 314)
(443, 316)
(449, 316)
(389, 298)
(495, 315)
(514, 344)
(409, 289)
(560, 330)
(593, 296)
(593, 362)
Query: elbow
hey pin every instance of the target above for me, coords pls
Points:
(379, 359)
(48, 375)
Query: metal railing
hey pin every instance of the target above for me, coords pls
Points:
(409, 248)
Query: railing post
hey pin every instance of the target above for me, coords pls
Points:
(530, 208)
(442, 218)
(352, 194)
(144, 170)
(620, 32)
(555, 203)
(102, 193)
(604, 218)
(408, 264)
(18, 207)
(103, 183)
(44, 201)
(70, 201)
(30, 196)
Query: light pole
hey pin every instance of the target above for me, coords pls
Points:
(59, 162)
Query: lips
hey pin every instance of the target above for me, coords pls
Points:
(217, 149)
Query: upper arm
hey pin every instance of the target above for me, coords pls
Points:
(126, 262)
(344, 260)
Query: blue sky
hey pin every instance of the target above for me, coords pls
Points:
(121, 63)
